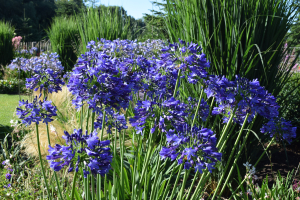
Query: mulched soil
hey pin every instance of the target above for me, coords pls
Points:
(279, 163)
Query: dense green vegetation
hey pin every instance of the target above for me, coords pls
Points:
(242, 37)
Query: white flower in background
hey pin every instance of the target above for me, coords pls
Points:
(247, 165)
(249, 192)
(10, 156)
(266, 195)
(13, 123)
(5, 162)
(52, 128)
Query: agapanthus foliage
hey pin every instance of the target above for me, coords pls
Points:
(244, 95)
(36, 111)
(279, 128)
(46, 72)
(82, 150)
(194, 148)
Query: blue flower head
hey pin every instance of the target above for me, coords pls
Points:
(279, 128)
(36, 111)
(194, 148)
(94, 153)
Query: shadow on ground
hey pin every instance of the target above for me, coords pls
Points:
(4, 130)
(279, 163)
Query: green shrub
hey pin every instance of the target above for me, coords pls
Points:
(241, 37)
(10, 86)
(291, 104)
(102, 22)
(63, 36)
(6, 47)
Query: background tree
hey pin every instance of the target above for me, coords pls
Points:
(68, 8)
(29, 17)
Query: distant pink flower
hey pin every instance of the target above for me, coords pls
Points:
(16, 41)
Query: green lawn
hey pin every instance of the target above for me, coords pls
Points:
(8, 104)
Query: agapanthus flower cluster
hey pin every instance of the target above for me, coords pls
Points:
(96, 79)
(244, 95)
(127, 48)
(46, 71)
(171, 113)
(36, 111)
(191, 59)
(33, 50)
(279, 128)
(85, 149)
(195, 148)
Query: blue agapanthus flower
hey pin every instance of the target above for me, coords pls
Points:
(46, 72)
(93, 153)
(279, 128)
(244, 95)
(36, 111)
(194, 148)
(96, 80)
(174, 114)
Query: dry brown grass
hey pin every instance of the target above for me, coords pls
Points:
(63, 101)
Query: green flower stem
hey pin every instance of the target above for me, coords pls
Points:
(115, 155)
(55, 175)
(121, 141)
(273, 139)
(203, 179)
(177, 83)
(87, 120)
(133, 189)
(176, 181)
(254, 165)
(98, 185)
(81, 117)
(210, 109)
(93, 120)
(155, 180)
(231, 155)
(198, 106)
(93, 187)
(40, 157)
(191, 187)
(168, 184)
(147, 159)
(73, 185)
(226, 128)
(102, 129)
(186, 174)
(228, 136)
(238, 155)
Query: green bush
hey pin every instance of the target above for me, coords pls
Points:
(10, 86)
(241, 37)
(63, 36)
(291, 104)
(102, 22)
(6, 47)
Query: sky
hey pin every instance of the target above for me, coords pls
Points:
(135, 8)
